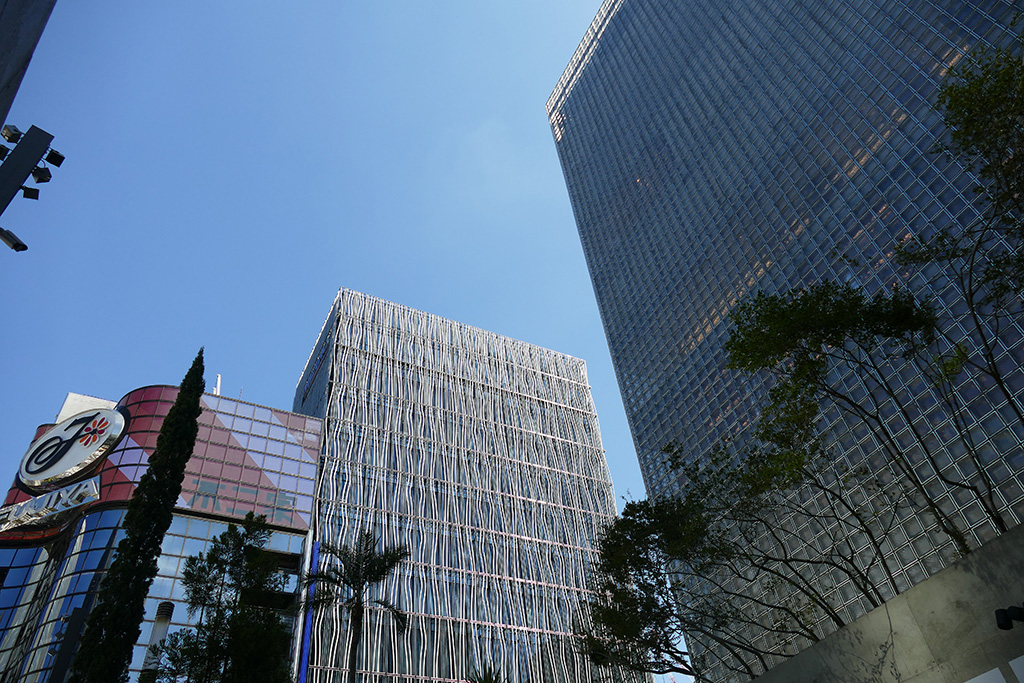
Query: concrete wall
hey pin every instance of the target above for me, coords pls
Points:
(941, 631)
(21, 24)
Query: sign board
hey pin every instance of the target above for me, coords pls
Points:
(40, 509)
(70, 448)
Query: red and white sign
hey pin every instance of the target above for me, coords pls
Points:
(70, 448)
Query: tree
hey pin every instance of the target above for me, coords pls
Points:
(240, 636)
(982, 106)
(486, 674)
(700, 563)
(634, 612)
(809, 339)
(114, 624)
(348, 578)
(727, 559)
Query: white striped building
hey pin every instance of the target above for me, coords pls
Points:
(482, 454)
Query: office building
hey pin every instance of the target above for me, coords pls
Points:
(482, 455)
(61, 522)
(21, 26)
(715, 149)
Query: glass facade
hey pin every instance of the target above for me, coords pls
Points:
(246, 458)
(716, 148)
(482, 455)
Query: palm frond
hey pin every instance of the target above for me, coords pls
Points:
(321, 597)
(348, 571)
(400, 617)
(485, 675)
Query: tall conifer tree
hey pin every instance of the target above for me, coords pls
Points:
(114, 625)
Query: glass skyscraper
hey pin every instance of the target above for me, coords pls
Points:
(482, 455)
(713, 149)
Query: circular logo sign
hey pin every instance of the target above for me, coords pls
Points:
(70, 447)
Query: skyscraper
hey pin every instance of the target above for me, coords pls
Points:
(715, 149)
(482, 455)
(21, 25)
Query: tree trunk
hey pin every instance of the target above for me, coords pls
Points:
(357, 635)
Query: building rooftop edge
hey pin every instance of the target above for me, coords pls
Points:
(581, 56)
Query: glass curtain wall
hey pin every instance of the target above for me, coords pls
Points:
(716, 148)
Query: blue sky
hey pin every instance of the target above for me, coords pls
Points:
(231, 164)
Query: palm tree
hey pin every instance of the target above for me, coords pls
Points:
(485, 675)
(357, 570)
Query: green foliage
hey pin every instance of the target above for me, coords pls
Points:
(693, 564)
(952, 364)
(689, 544)
(240, 638)
(799, 327)
(788, 418)
(982, 106)
(658, 547)
(350, 576)
(982, 103)
(487, 674)
(803, 335)
(113, 626)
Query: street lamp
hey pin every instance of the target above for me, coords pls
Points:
(11, 133)
(11, 240)
(28, 158)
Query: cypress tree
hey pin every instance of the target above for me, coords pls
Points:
(114, 625)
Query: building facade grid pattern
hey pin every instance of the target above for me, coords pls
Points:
(714, 149)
